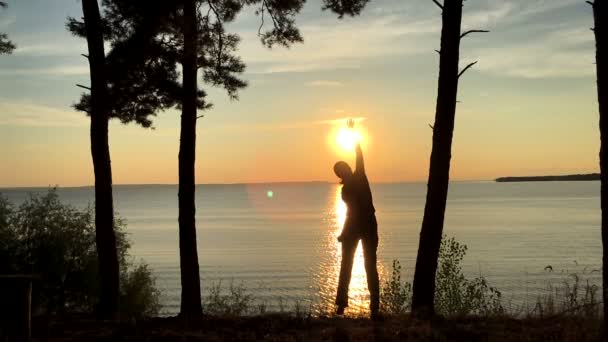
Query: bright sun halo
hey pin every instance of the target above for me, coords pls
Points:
(347, 138)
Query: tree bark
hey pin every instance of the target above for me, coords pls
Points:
(439, 171)
(600, 14)
(191, 287)
(100, 152)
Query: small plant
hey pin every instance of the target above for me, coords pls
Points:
(139, 296)
(576, 296)
(395, 295)
(457, 295)
(454, 293)
(236, 302)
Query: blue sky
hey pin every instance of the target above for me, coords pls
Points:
(528, 107)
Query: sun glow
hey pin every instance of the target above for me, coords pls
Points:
(345, 139)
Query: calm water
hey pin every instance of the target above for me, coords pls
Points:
(283, 247)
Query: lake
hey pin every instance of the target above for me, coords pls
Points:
(279, 240)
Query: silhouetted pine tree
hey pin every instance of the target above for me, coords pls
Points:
(6, 46)
(130, 84)
(100, 151)
(193, 34)
(600, 14)
(439, 171)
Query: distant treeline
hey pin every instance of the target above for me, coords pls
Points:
(586, 177)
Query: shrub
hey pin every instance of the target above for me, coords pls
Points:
(57, 241)
(395, 295)
(139, 296)
(574, 296)
(237, 301)
(454, 293)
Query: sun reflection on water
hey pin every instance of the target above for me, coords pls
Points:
(328, 280)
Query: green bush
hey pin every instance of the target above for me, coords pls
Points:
(454, 293)
(236, 302)
(139, 296)
(395, 295)
(57, 242)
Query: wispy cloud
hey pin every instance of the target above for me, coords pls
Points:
(45, 48)
(290, 125)
(29, 114)
(340, 45)
(59, 70)
(324, 83)
(564, 53)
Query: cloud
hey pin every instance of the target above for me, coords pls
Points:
(331, 45)
(289, 125)
(324, 83)
(565, 53)
(59, 70)
(33, 115)
(45, 49)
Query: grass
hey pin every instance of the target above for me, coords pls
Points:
(469, 310)
(286, 327)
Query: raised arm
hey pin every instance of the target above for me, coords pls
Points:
(360, 167)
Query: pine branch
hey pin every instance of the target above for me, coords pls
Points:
(438, 4)
(466, 68)
(262, 23)
(472, 31)
(83, 87)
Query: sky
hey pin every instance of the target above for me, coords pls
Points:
(529, 107)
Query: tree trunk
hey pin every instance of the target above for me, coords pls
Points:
(600, 14)
(100, 151)
(191, 286)
(439, 171)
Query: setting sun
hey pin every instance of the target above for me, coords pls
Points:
(346, 138)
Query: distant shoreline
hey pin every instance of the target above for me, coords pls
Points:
(581, 177)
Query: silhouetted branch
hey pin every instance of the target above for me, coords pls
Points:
(432, 127)
(85, 56)
(220, 34)
(262, 23)
(590, 3)
(467, 68)
(439, 52)
(438, 4)
(200, 116)
(472, 31)
(83, 87)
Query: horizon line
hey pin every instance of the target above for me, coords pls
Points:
(234, 183)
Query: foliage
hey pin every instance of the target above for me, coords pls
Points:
(139, 296)
(6, 46)
(395, 295)
(237, 301)
(575, 296)
(141, 78)
(56, 241)
(454, 293)
(345, 7)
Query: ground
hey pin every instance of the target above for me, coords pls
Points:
(279, 327)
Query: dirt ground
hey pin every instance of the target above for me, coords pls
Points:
(286, 328)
